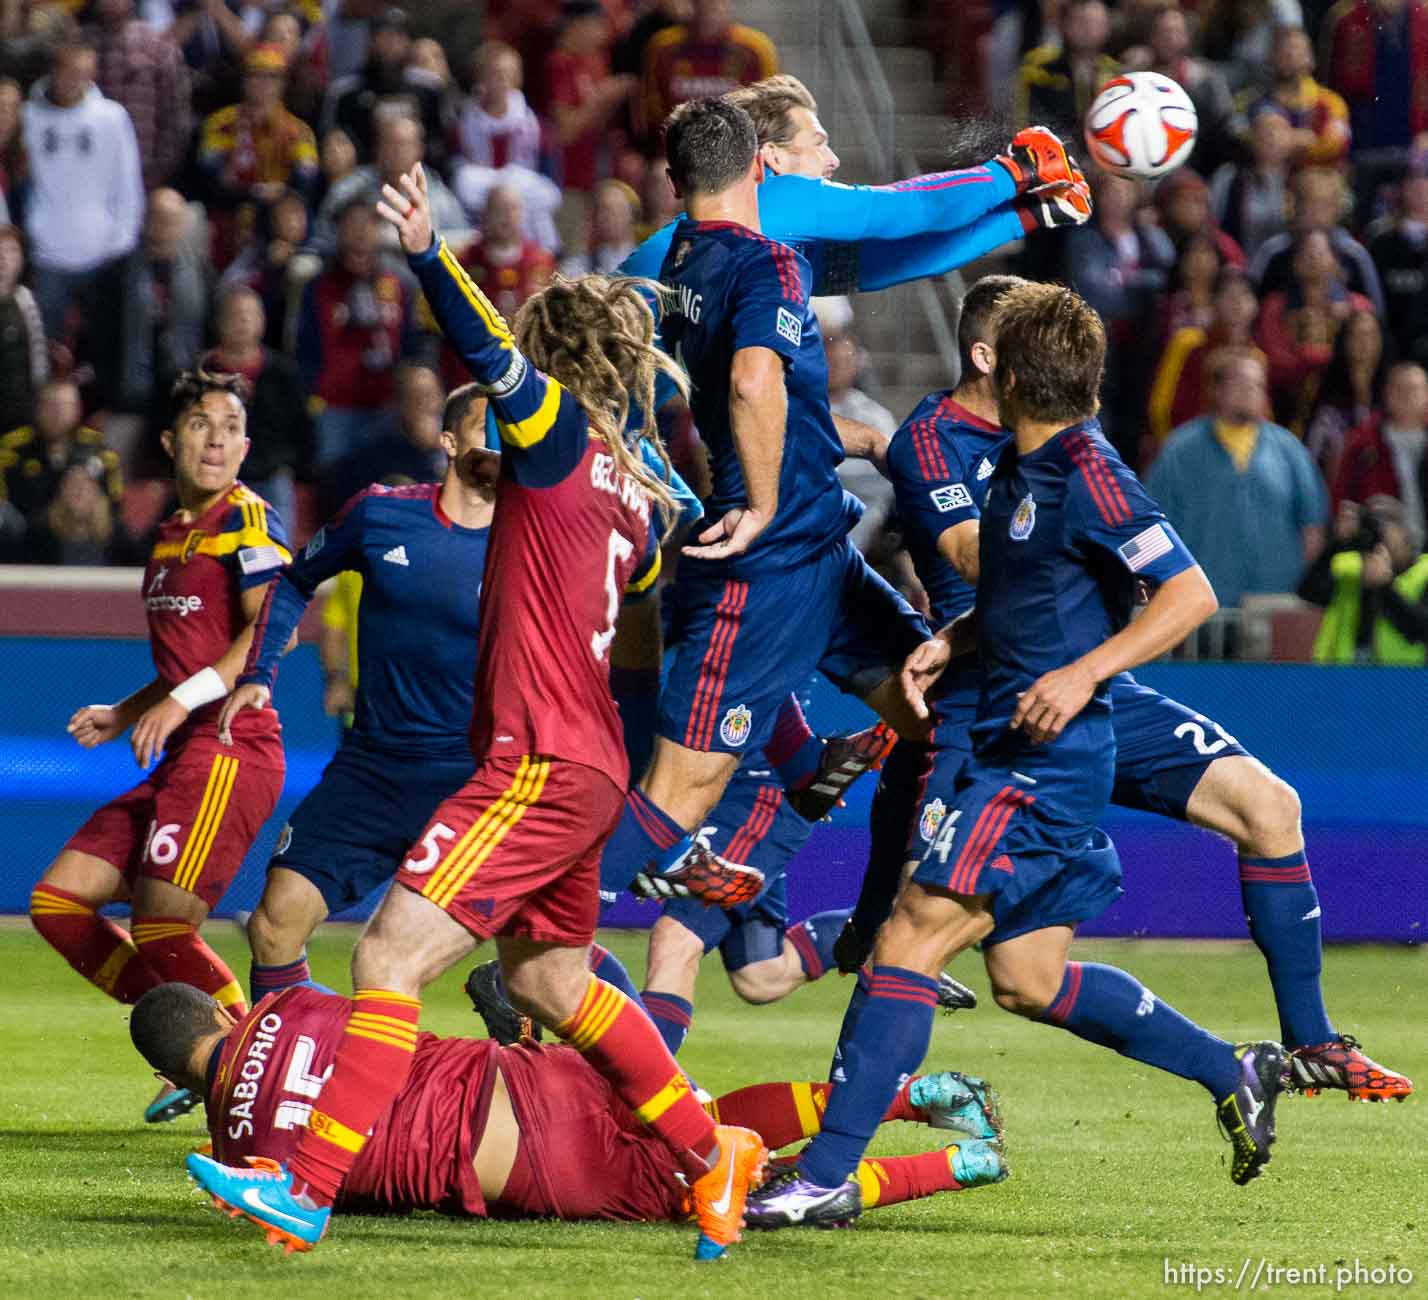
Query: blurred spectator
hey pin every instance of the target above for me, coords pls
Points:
(1182, 201)
(1384, 455)
(279, 430)
(1320, 118)
(305, 56)
(79, 526)
(1168, 52)
(1375, 54)
(1180, 389)
(34, 457)
(214, 36)
(497, 142)
(401, 145)
(174, 285)
(1399, 249)
(629, 53)
(1373, 583)
(352, 102)
(24, 358)
(144, 71)
(12, 143)
(428, 59)
(355, 325)
(1347, 391)
(709, 56)
(1237, 36)
(1120, 268)
(658, 204)
(1319, 200)
(1250, 199)
(336, 158)
(1297, 326)
(252, 152)
(612, 231)
(410, 445)
(1056, 84)
(1197, 271)
(1241, 491)
(584, 96)
(83, 217)
(277, 268)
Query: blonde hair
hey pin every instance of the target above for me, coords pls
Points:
(596, 337)
(770, 102)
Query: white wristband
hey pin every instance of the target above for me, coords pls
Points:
(202, 688)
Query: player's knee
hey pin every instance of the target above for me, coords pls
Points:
(268, 937)
(1023, 1001)
(1272, 816)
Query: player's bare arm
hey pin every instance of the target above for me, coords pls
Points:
(863, 442)
(928, 662)
(1176, 609)
(959, 546)
(97, 724)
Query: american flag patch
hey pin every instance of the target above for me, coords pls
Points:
(1144, 547)
(259, 559)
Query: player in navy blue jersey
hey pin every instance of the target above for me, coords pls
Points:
(1016, 860)
(420, 551)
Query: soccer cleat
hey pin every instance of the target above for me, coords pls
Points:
(1341, 1063)
(953, 995)
(1037, 157)
(843, 761)
(720, 1195)
(1246, 1116)
(949, 1100)
(262, 1194)
(171, 1104)
(976, 1164)
(703, 874)
(488, 999)
(789, 1201)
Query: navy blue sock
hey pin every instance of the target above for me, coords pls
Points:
(889, 1043)
(813, 940)
(645, 839)
(1106, 1006)
(263, 980)
(1282, 907)
(636, 692)
(672, 1016)
(604, 965)
(856, 1003)
(894, 806)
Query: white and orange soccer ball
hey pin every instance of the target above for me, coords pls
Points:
(1141, 126)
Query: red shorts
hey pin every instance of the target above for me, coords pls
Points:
(516, 850)
(582, 1154)
(191, 822)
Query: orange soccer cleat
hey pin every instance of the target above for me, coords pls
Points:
(720, 1195)
(1341, 1064)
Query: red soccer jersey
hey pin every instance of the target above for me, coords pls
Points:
(678, 66)
(192, 595)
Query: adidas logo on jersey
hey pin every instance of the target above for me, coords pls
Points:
(397, 555)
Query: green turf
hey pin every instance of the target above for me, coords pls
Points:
(1114, 1168)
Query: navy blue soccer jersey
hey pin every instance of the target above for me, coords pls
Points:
(1066, 531)
(416, 625)
(939, 462)
(735, 289)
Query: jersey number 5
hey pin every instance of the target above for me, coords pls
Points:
(619, 549)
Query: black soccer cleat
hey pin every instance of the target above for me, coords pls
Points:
(1246, 1116)
(788, 1200)
(953, 995)
(843, 761)
(488, 999)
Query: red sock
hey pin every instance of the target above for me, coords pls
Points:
(902, 1107)
(779, 1113)
(372, 1065)
(621, 1042)
(173, 949)
(96, 947)
(905, 1178)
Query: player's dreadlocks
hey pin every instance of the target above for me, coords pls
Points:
(595, 336)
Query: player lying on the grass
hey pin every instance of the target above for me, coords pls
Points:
(1169, 759)
(420, 551)
(510, 1132)
(171, 845)
(514, 854)
(1067, 534)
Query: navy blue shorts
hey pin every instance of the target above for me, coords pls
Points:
(1162, 748)
(754, 826)
(1085, 889)
(351, 831)
(743, 645)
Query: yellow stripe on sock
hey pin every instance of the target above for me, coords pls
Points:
(335, 1131)
(375, 1020)
(230, 995)
(107, 976)
(49, 905)
(150, 933)
(220, 806)
(388, 1039)
(384, 1025)
(656, 1106)
(867, 1175)
(602, 1015)
(386, 996)
(809, 1119)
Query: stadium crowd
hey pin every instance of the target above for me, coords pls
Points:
(191, 179)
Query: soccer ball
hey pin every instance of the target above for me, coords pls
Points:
(1141, 126)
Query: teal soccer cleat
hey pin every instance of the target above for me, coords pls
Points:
(171, 1104)
(262, 1195)
(949, 1100)
(976, 1164)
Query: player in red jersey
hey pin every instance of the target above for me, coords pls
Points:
(506, 1132)
(172, 844)
(514, 854)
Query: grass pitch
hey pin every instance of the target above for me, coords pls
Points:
(1117, 1171)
